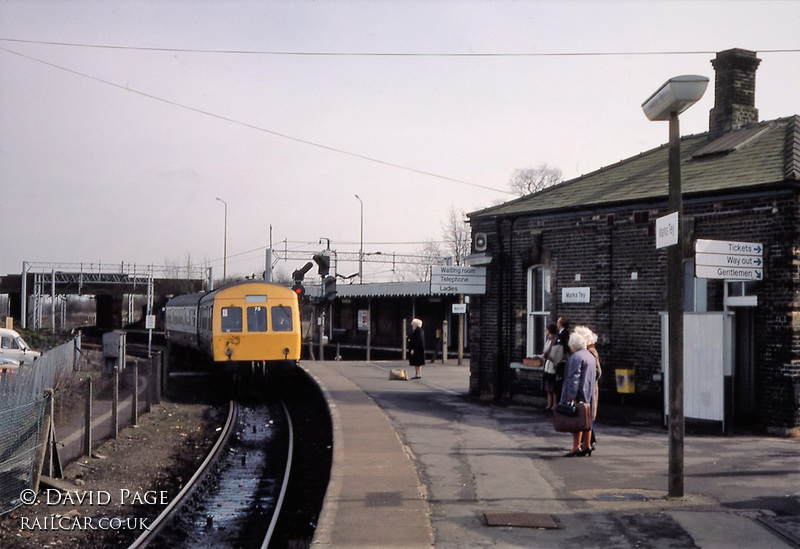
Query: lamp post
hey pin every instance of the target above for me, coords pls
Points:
(225, 245)
(675, 96)
(361, 249)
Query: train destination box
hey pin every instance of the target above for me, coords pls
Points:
(458, 280)
(729, 260)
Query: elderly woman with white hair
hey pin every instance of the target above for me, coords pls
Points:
(591, 339)
(416, 348)
(579, 381)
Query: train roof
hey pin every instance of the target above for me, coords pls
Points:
(185, 300)
(257, 285)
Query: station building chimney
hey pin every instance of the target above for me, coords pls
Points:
(734, 91)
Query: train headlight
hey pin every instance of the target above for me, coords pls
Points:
(285, 353)
(229, 352)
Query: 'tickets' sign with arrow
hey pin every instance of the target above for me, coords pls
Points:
(729, 260)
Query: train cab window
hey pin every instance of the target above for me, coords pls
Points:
(256, 319)
(231, 319)
(281, 319)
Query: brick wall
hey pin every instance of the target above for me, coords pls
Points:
(605, 248)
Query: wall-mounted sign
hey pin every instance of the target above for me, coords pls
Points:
(459, 308)
(575, 295)
(728, 260)
(458, 280)
(363, 319)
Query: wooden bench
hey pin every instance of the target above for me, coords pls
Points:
(526, 377)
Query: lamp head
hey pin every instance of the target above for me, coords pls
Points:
(675, 96)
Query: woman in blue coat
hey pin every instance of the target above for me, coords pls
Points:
(579, 380)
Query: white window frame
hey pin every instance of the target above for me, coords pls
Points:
(737, 294)
(537, 318)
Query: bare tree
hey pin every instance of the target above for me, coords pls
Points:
(183, 272)
(530, 180)
(281, 276)
(457, 236)
(430, 254)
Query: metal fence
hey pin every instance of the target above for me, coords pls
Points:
(23, 405)
(20, 433)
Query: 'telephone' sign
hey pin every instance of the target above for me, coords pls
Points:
(458, 280)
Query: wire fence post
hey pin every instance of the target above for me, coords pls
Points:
(149, 392)
(159, 373)
(49, 429)
(166, 357)
(44, 441)
(87, 448)
(115, 405)
(135, 395)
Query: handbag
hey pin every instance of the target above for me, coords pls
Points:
(566, 408)
(580, 420)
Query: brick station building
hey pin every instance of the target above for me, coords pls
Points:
(585, 249)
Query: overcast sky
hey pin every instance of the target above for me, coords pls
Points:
(122, 122)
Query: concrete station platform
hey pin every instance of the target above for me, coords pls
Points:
(418, 464)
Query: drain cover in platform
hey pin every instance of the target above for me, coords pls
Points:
(621, 496)
(519, 520)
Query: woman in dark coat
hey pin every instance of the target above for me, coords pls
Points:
(579, 380)
(416, 348)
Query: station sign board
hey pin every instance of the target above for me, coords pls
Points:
(576, 295)
(729, 260)
(667, 230)
(458, 280)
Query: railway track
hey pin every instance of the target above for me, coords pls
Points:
(235, 497)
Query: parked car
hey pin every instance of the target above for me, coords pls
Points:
(8, 365)
(13, 347)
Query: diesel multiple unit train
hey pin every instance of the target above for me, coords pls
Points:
(242, 324)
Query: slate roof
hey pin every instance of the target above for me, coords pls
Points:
(760, 155)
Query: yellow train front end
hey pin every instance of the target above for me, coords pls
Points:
(251, 322)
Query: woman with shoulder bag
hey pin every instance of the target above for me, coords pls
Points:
(579, 380)
(549, 375)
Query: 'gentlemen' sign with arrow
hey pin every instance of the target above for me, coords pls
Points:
(729, 260)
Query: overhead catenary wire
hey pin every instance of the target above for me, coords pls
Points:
(254, 127)
(379, 54)
(326, 54)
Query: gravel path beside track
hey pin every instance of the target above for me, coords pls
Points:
(123, 485)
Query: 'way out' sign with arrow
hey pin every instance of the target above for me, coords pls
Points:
(729, 260)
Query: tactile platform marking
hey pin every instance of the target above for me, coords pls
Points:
(519, 520)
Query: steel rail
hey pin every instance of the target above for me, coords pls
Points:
(183, 496)
(284, 486)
